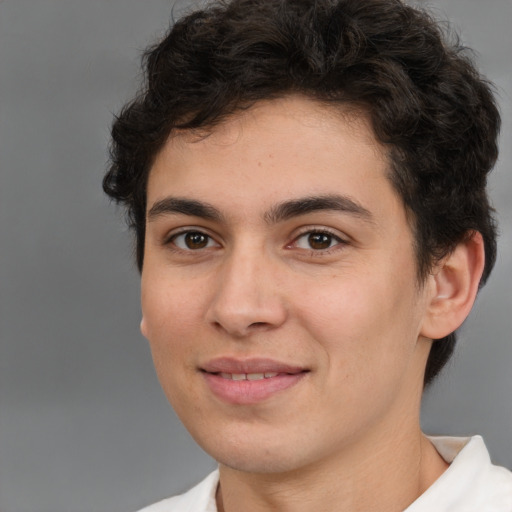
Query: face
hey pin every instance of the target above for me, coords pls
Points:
(279, 288)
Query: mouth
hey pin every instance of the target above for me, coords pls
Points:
(251, 381)
(248, 376)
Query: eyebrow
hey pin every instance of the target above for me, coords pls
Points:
(278, 213)
(305, 205)
(177, 205)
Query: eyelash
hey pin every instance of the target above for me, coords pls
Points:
(319, 252)
(171, 241)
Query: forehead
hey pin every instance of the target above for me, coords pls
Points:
(270, 143)
(286, 112)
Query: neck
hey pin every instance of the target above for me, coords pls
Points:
(386, 474)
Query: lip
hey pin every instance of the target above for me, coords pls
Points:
(252, 365)
(246, 392)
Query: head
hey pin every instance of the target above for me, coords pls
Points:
(425, 102)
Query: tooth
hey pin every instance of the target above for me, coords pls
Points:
(269, 375)
(255, 376)
(239, 376)
(225, 375)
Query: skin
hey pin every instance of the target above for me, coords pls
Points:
(332, 291)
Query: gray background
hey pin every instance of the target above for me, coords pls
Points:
(83, 423)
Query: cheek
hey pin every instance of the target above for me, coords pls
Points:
(344, 307)
(169, 326)
(169, 320)
(361, 321)
(169, 305)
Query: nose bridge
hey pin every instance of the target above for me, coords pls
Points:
(247, 295)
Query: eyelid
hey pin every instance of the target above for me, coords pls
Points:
(341, 239)
(169, 238)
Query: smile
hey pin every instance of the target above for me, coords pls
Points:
(248, 376)
(249, 382)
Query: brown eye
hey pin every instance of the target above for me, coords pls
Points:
(193, 241)
(196, 240)
(319, 241)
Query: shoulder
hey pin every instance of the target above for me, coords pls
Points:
(200, 498)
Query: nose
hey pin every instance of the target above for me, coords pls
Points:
(248, 296)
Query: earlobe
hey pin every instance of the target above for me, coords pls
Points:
(143, 328)
(454, 284)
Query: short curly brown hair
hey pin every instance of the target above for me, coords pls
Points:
(425, 99)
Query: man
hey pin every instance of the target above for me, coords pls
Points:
(306, 181)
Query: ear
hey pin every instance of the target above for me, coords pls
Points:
(143, 327)
(453, 286)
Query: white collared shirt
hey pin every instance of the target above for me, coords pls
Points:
(471, 484)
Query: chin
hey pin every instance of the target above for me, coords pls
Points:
(259, 463)
(258, 454)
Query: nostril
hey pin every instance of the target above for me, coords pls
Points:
(258, 324)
